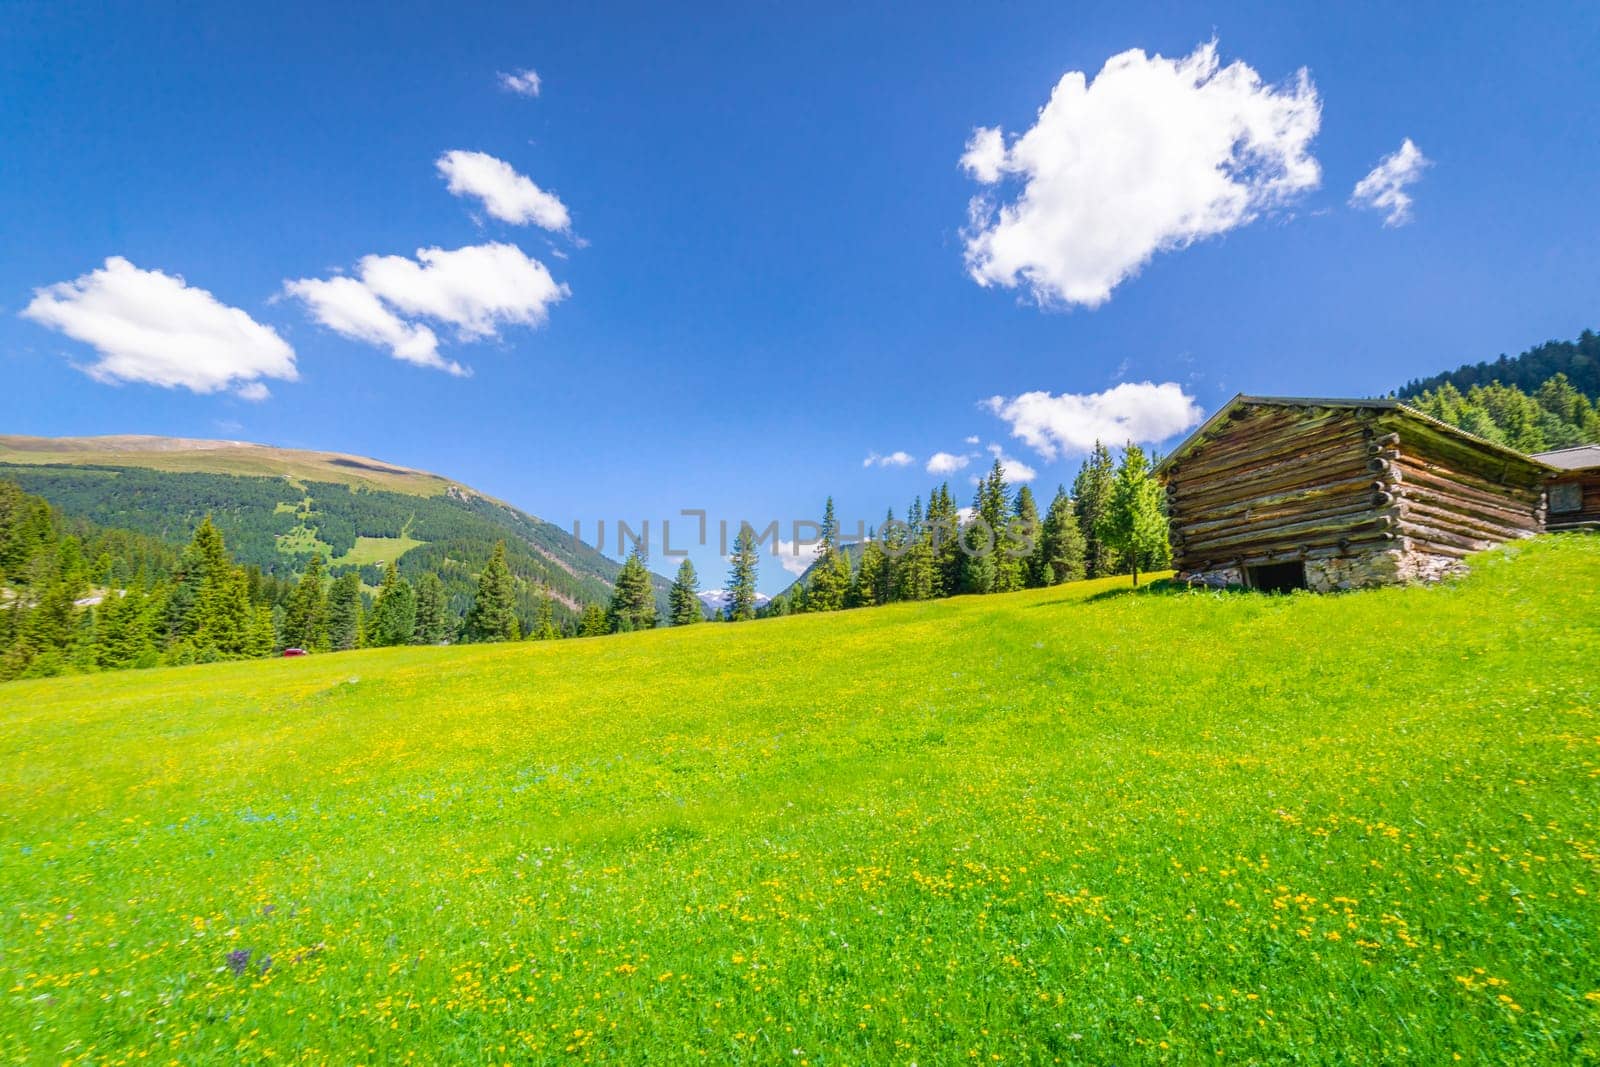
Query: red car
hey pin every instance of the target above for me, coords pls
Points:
(294, 652)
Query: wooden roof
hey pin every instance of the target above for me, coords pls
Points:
(1242, 401)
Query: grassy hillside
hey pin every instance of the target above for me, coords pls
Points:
(277, 507)
(187, 455)
(1074, 823)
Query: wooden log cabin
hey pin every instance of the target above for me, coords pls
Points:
(1282, 493)
(1574, 488)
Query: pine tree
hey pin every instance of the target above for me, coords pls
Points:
(433, 611)
(544, 623)
(305, 616)
(1060, 554)
(914, 571)
(867, 582)
(830, 572)
(742, 576)
(344, 612)
(1133, 523)
(943, 522)
(1091, 495)
(1015, 544)
(684, 599)
(493, 615)
(394, 612)
(204, 563)
(224, 616)
(593, 623)
(633, 600)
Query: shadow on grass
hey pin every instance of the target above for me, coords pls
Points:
(1161, 587)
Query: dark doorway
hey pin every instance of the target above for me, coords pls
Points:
(1277, 577)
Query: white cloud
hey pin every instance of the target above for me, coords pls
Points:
(1150, 156)
(253, 391)
(1073, 422)
(795, 557)
(972, 440)
(522, 82)
(1012, 469)
(893, 459)
(1384, 189)
(948, 462)
(346, 306)
(507, 195)
(476, 289)
(152, 327)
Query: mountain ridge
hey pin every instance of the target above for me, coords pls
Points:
(279, 506)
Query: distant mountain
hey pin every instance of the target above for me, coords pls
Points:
(276, 507)
(1579, 360)
(716, 600)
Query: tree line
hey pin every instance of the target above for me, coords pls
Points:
(1554, 415)
(75, 597)
(1112, 522)
(1578, 361)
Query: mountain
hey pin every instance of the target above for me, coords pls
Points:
(276, 507)
(716, 600)
(1579, 360)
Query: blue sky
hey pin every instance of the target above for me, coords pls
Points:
(768, 269)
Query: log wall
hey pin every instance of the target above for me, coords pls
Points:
(1279, 483)
(1456, 497)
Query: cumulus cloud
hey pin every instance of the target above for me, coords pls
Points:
(947, 462)
(507, 195)
(1011, 468)
(476, 289)
(346, 306)
(795, 557)
(152, 327)
(972, 440)
(893, 459)
(1384, 189)
(1150, 156)
(522, 82)
(1072, 422)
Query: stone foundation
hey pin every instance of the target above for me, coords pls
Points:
(1222, 578)
(1331, 574)
(1395, 567)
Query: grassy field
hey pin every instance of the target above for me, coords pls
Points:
(1075, 824)
(379, 549)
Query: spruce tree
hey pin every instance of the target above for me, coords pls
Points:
(394, 612)
(633, 600)
(433, 611)
(684, 599)
(914, 570)
(593, 623)
(830, 572)
(944, 530)
(305, 616)
(1060, 555)
(868, 578)
(1133, 523)
(742, 576)
(344, 612)
(1091, 495)
(544, 623)
(1019, 530)
(493, 615)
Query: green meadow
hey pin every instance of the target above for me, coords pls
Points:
(1078, 824)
